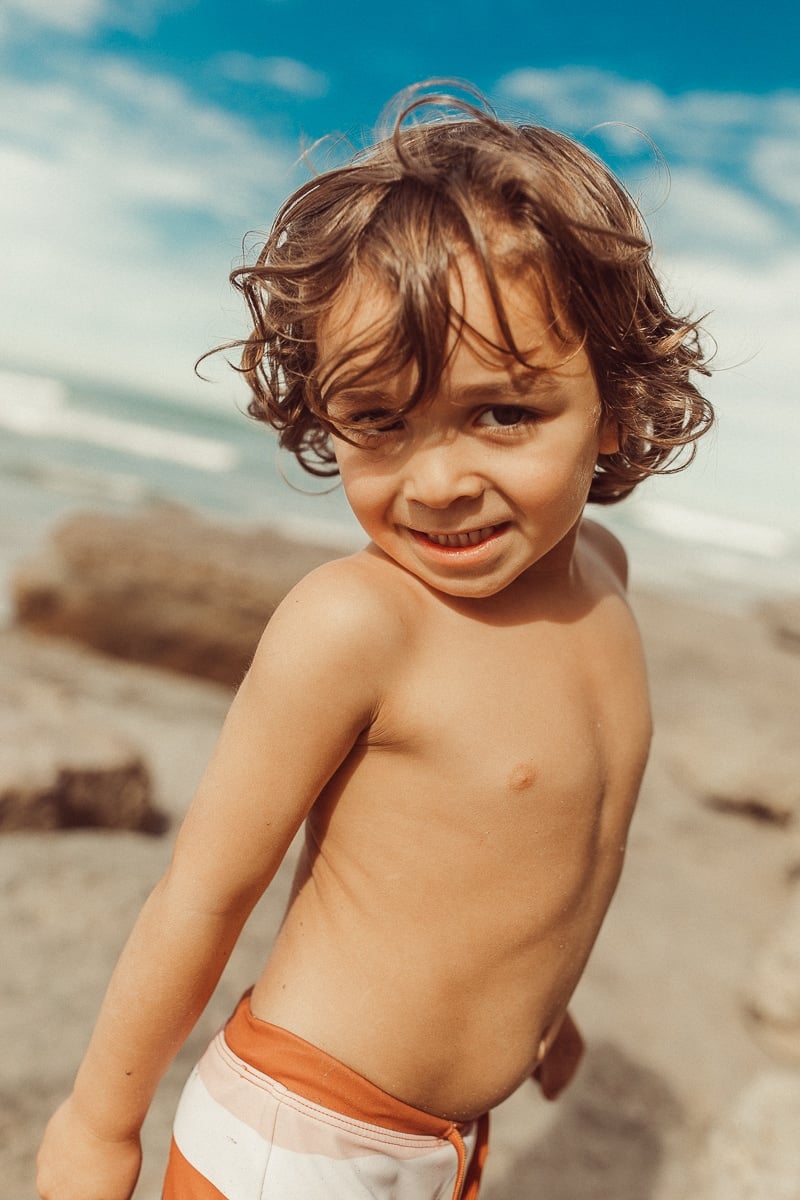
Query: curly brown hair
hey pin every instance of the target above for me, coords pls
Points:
(520, 199)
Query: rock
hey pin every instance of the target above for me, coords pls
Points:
(162, 586)
(754, 1151)
(774, 994)
(783, 619)
(60, 768)
(753, 777)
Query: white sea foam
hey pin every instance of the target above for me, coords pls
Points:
(26, 400)
(712, 529)
(120, 488)
(38, 407)
(673, 544)
(336, 534)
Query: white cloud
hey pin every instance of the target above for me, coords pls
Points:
(728, 210)
(745, 142)
(124, 201)
(123, 206)
(18, 18)
(285, 74)
(578, 98)
(706, 213)
(69, 16)
(776, 165)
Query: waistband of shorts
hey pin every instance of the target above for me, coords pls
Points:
(313, 1074)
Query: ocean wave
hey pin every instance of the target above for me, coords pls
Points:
(119, 488)
(36, 406)
(346, 536)
(711, 529)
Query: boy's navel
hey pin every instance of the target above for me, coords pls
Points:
(522, 776)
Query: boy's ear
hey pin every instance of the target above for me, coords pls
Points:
(609, 436)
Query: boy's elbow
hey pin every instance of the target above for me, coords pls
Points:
(178, 898)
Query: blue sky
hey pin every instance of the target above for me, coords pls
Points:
(140, 140)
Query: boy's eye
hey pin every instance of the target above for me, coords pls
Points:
(369, 423)
(505, 416)
(379, 418)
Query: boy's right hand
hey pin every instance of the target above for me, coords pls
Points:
(560, 1063)
(75, 1163)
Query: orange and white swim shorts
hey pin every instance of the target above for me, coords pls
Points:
(267, 1115)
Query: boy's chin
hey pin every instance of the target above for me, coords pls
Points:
(464, 586)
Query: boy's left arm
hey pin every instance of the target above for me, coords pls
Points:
(559, 1065)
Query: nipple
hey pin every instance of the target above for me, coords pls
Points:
(523, 776)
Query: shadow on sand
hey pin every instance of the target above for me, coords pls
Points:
(608, 1140)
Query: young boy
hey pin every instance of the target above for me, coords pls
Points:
(465, 325)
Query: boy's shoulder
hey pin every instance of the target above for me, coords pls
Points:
(606, 547)
(339, 633)
(359, 598)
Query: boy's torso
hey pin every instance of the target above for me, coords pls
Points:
(459, 864)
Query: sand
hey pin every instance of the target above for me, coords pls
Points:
(662, 1004)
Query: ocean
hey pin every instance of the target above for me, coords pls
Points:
(725, 533)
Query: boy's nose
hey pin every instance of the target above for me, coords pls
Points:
(440, 474)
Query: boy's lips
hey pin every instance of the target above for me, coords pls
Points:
(461, 540)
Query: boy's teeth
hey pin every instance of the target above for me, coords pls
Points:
(460, 539)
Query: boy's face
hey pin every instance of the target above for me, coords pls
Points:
(488, 479)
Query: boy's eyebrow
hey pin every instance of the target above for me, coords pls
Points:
(516, 385)
(364, 395)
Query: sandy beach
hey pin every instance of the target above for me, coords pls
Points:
(675, 1056)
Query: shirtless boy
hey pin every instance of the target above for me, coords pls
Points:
(463, 323)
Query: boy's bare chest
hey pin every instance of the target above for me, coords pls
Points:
(513, 682)
(516, 754)
(544, 715)
(517, 757)
(506, 705)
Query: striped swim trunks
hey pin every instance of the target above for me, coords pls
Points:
(267, 1115)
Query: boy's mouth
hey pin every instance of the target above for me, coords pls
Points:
(460, 541)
